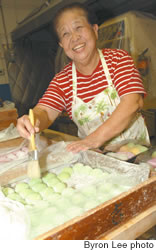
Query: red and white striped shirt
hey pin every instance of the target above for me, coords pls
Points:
(124, 75)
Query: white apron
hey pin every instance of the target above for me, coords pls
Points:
(89, 116)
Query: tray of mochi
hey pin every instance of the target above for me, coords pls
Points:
(148, 157)
(58, 197)
(128, 151)
(68, 194)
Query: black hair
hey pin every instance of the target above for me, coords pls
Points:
(90, 15)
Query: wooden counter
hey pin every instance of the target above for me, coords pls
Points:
(7, 117)
(125, 217)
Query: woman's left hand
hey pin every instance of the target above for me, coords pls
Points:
(83, 145)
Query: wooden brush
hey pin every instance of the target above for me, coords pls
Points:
(33, 168)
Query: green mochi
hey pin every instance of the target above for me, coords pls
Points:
(81, 169)
(78, 165)
(39, 187)
(87, 170)
(63, 203)
(25, 192)
(34, 181)
(21, 186)
(16, 197)
(7, 190)
(67, 192)
(48, 177)
(68, 170)
(124, 188)
(59, 218)
(89, 191)
(47, 192)
(78, 168)
(116, 192)
(33, 197)
(59, 187)
(53, 198)
(91, 204)
(52, 182)
(13, 196)
(102, 197)
(105, 187)
(78, 199)
(74, 211)
(48, 213)
(97, 172)
(63, 176)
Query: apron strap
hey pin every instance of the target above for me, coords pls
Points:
(74, 80)
(105, 68)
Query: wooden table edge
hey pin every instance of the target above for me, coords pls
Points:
(135, 227)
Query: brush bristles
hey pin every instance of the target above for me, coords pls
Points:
(33, 169)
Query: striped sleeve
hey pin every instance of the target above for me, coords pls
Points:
(53, 97)
(126, 76)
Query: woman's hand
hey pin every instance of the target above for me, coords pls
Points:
(43, 116)
(90, 142)
(81, 145)
(25, 127)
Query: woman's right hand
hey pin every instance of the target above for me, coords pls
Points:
(25, 127)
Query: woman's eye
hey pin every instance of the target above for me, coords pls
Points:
(78, 27)
(65, 34)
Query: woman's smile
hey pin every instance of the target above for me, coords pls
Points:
(79, 47)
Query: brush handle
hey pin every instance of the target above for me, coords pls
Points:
(32, 138)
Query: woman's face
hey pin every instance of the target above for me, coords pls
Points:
(77, 37)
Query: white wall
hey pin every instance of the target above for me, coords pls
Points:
(14, 11)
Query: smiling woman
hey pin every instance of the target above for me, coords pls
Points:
(101, 90)
(78, 38)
